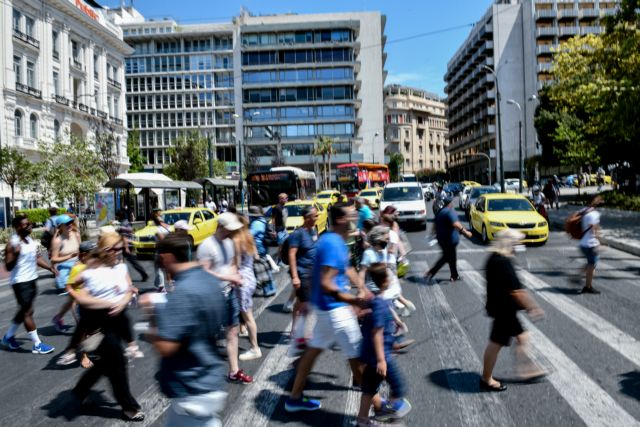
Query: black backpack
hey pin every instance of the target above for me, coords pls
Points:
(284, 252)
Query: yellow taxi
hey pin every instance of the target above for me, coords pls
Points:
(372, 195)
(493, 212)
(329, 197)
(295, 218)
(204, 222)
(470, 183)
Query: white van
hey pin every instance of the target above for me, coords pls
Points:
(408, 199)
(408, 177)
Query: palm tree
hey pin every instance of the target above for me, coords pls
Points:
(324, 148)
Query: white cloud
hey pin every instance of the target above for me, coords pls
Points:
(403, 78)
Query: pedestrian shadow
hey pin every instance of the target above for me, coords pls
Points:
(67, 407)
(630, 384)
(52, 292)
(561, 291)
(270, 339)
(322, 417)
(50, 331)
(456, 380)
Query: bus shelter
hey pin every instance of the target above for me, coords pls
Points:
(220, 188)
(140, 193)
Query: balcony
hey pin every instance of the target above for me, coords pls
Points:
(544, 67)
(77, 65)
(82, 107)
(114, 83)
(117, 121)
(545, 14)
(569, 31)
(56, 55)
(567, 13)
(544, 48)
(101, 114)
(61, 100)
(26, 38)
(590, 30)
(28, 90)
(588, 13)
(546, 31)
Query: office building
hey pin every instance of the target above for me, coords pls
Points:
(416, 127)
(62, 73)
(515, 39)
(269, 84)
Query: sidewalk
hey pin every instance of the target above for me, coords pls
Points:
(619, 229)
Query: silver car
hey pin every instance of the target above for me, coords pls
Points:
(464, 194)
(475, 193)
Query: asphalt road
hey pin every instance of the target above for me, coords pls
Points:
(588, 343)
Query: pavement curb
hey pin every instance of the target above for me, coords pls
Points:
(619, 244)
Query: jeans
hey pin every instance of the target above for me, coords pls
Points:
(448, 257)
(64, 268)
(371, 380)
(198, 410)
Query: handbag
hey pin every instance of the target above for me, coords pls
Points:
(91, 342)
(403, 267)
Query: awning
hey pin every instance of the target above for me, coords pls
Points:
(151, 183)
(218, 182)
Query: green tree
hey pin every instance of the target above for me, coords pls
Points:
(395, 164)
(136, 161)
(324, 148)
(188, 157)
(15, 170)
(219, 168)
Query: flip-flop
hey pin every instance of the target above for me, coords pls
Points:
(484, 386)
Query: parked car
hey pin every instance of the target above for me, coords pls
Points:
(464, 194)
(295, 218)
(470, 183)
(372, 195)
(454, 188)
(408, 199)
(512, 184)
(475, 193)
(494, 212)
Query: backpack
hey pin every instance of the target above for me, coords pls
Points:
(284, 252)
(270, 235)
(47, 235)
(573, 224)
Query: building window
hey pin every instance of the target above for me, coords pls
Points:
(17, 68)
(56, 83)
(75, 51)
(17, 117)
(31, 74)
(33, 126)
(56, 128)
(55, 39)
(96, 67)
(16, 20)
(30, 26)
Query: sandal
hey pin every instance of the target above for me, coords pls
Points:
(67, 359)
(484, 386)
(136, 416)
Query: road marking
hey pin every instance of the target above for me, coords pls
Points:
(153, 403)
(455, 351)
(589, 401)
(600, 328)
(257, 402)
(352, 404)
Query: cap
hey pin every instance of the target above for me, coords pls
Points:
(229, 221)
(182, 225)
(88, 246)
(255, 211)
(63, 219)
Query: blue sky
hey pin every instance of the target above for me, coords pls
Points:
(419, 62)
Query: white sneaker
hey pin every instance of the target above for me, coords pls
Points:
(410, 305)
(251, 354)
(288, 306)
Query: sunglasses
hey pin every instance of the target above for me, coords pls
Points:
(115, 249)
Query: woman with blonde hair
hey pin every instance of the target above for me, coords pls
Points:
(246, 252)
(104, 292)
(505, 297)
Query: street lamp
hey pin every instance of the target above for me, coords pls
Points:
(483, 155)
(498, 130)
(534, 98)
(373, 148)
(520, 165)
(239, 154)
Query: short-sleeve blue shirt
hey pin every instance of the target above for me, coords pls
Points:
(445, 232)
(306, 242)
(331, 252)
(364, 213)
(379, 318)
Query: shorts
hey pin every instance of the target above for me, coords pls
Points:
(371, 380)
(340, 326)
(64, 269)
(504, 328)
(199, 410)
(233, 309)
(304, 293)
(591, 254)
(25, 293)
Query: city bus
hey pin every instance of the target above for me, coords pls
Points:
(263, 187)
(353, 177)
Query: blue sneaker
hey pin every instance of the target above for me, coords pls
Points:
(393, 410)
(42, 348)
(10, 343)
(302, 404)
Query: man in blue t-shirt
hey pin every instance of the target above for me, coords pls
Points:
(336, 320)
(364, 212)
(302, 255)
(447, 231)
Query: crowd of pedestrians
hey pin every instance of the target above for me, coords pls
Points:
(344, 290)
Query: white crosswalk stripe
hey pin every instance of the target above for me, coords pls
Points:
(594, 324)
(454, 349)
(589, 401)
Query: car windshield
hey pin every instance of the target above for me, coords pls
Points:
(499, 205)
(295, 210)
(477, 192)
(323, 196)
(172, 217)
(369, 193)
(396, 194)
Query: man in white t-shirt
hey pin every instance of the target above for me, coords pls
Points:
(216, 254)
(210, 204)
(590, 241)
(22, 260)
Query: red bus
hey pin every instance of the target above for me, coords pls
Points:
(353, 177)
